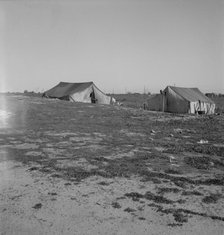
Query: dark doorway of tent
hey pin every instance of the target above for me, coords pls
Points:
(93, 97)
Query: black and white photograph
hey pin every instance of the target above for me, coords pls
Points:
(111, 117)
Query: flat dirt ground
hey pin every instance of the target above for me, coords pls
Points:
(72, 168)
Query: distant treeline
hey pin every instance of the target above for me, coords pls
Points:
(133, 94)
(32, 93)
(212, 95)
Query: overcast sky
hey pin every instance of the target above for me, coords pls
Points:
(121, 45)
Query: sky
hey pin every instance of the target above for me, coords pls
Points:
(120, 45)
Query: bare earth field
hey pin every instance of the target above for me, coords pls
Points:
(70, 168)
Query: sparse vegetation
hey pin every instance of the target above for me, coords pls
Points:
(77, 142)
(132, 100)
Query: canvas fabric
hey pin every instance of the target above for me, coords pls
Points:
(187, 100)
(175, 103)
(202, 106)
(82, 95)
(101, 98)
(78, 92)
(181, 100)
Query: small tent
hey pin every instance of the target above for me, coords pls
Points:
(86, 92)
(181, 100)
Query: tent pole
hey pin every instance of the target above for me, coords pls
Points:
(163, 100)
(162, 93)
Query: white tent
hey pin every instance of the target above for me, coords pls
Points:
(181, 100)
(86, 92)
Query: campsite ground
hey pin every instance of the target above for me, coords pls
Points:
(70, 168)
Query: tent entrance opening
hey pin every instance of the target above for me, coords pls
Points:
(93, 98)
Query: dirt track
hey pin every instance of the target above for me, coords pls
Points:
(84, 169)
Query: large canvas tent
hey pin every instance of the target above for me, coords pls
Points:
(86, 92)
(181, 100)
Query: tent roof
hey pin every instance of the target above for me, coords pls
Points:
(191, 94)
(67, 88)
